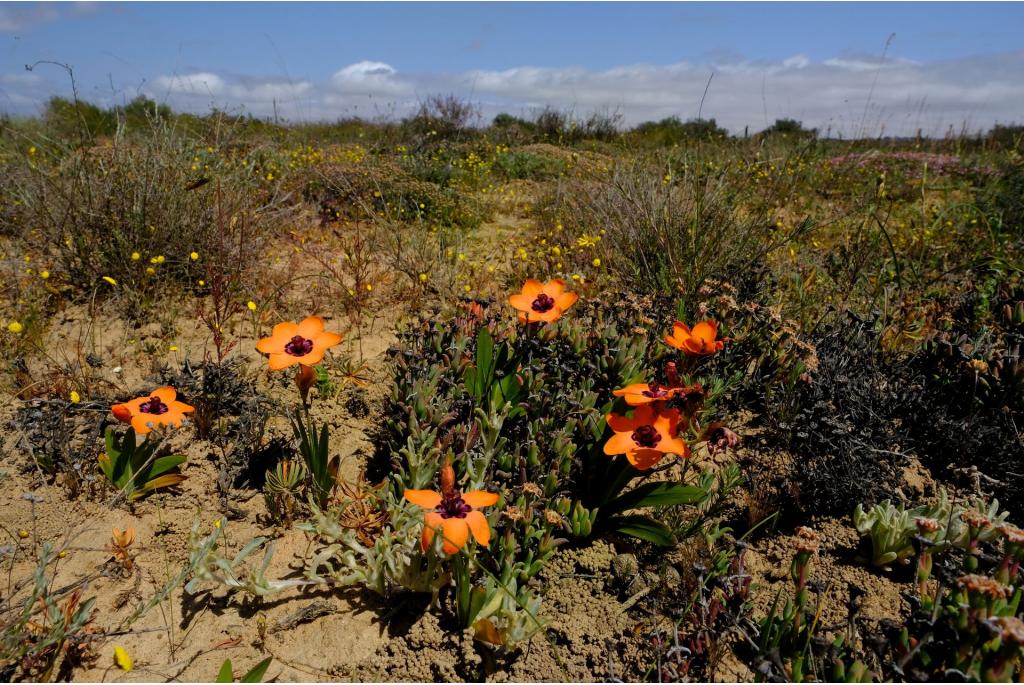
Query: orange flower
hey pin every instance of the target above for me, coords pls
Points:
(297, 343)
(123, 539)
(454, 516)
(646, 437)
(159, 408)
(639, 394)
(542, 301)
(699, 341)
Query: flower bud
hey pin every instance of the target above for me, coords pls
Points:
(305, 377)
(447, 477)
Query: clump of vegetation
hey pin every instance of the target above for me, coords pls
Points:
(541, 338)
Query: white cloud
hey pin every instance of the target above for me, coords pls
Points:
(18, 17)
(796, 62)
(23, 90)
(361, 71)
(198, 84)
(848, 94)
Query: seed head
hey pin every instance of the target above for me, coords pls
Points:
(983, 585)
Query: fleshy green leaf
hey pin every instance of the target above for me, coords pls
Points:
(226, 674)
(159, 482)
(255, 675)
(164, 464)
(662, 494)
(643, 528)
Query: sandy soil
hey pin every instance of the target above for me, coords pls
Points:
(595, 629)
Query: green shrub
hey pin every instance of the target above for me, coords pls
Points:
(142, 213)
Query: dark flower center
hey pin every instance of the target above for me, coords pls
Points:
(646, 436)
(299, 346)
(153, 406)
(655, 391)
(543, 303)
(453, 506)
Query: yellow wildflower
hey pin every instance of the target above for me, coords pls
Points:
(110, 280)
(75, 397)
(251, 305)
(122, 659)
(15, 327)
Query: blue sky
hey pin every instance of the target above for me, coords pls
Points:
(948, 63)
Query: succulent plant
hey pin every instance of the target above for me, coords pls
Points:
(282, 487)
(892, 527)
(210, 565)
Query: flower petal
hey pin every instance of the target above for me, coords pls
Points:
(282, 360)
(140, 422)
(644, 458)
(326, 339)
(620, 423)
(270, 345)
(554, 288)
(550, 315)
(311, 358)
(478, 525)
(521, 302)
(706, 330)
(455, 532)
(169, 418)
(123, 412)
(632, 389)
(680, 330)
(619, 443)
(309, 327)
(667, 423)
(565, 300)
(692, 346)
(285, 330)
(644, 415)
(432, 522)
(532, 288)
(181, 407)
(166, 394)
(479, 498)
(675, 446)
(428, 499)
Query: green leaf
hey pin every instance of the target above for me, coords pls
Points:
(469, 377)
(323, 445)
(164, 464)
(643, 528)
(485, 353)
(256, 674)
(660, 494)
(225, 675)
(112, 450)
(165, 481)
(106, 466)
